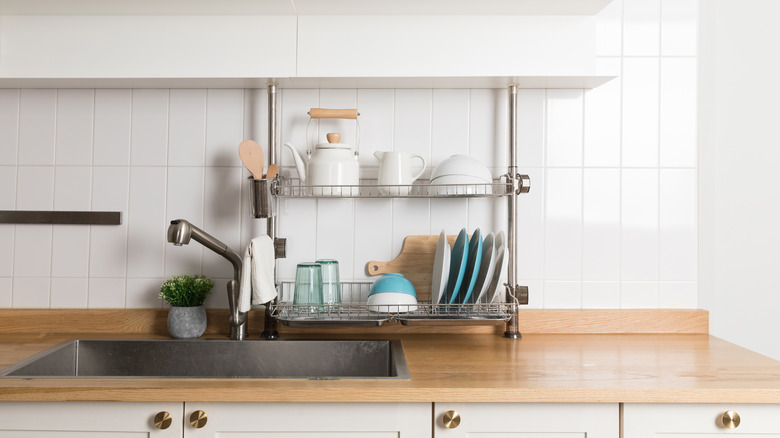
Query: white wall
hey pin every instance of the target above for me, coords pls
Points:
(609, 222)
(739, 153)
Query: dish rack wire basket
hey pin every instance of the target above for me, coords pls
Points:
(353, 310)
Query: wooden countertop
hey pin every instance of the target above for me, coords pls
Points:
(682, 368)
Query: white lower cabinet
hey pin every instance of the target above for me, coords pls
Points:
(701, 420)
(526, 420)
(89, 420)
(309, 420)
(384, 420)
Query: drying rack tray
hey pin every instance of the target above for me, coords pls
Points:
(362, 314)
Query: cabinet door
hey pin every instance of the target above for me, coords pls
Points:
(142, 46)
(445, 45)
(699, 420)
(87, 419)
(526, 420)
(309, 420)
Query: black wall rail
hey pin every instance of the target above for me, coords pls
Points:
(61, 217)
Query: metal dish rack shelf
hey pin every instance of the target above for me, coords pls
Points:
(265, 193)
(368, 188)
(354, 311)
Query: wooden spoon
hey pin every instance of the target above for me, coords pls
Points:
(273, 169)
(252, 156)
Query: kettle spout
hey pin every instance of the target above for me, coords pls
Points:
(299, 165)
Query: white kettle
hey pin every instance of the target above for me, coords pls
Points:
(395, 169)
(330, 164)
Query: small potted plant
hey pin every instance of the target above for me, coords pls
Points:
(186, 293)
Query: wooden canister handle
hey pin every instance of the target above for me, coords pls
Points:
(323, 113)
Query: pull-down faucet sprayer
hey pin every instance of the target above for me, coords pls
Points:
(180, 232)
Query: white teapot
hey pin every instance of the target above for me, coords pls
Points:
(330, 164)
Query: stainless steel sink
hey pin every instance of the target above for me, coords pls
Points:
(260, 359)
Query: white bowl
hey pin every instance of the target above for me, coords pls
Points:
(462, 165)
(461, 185)
(392, 302)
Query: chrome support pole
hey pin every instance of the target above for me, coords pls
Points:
(269, 327)
(512, 329)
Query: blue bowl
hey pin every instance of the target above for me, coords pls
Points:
(393, 283)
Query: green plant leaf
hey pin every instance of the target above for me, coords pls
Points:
(186, 290)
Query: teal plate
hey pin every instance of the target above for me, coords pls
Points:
(460, 256)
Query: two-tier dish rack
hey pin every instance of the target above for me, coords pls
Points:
(264, 194)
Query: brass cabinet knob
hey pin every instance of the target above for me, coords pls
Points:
(198, 419)
(730, 419)
(451, 419)
(163, 420)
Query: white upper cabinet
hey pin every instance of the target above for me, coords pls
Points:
(445, 45)
(345, 43)
(139, 46)
(300, 7)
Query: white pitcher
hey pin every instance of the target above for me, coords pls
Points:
(395, 169)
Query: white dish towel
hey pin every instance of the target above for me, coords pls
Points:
(257, 274)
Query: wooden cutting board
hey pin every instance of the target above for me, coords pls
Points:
(415, 262)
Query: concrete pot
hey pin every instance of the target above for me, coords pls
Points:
(187, 322)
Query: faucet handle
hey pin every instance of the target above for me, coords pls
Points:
(237, 318)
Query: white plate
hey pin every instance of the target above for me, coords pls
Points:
(500, 240)
(486, 268)
(494, 286)
(441, 268)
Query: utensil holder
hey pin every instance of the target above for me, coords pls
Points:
(261, 197)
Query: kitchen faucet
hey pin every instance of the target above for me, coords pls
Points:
(179, 233)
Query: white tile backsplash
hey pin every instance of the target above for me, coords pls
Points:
(224, 126)
(679, 27)
(563, 224)
(640, 112)
(641, 27)
(32, 251)
(610, 221)
(9, 126)
(677, 225)
(106, 293)
(146, 222)
(75, 115)
(37, 109)
(111, 136)
(449, 124)
(187, 128)
(639, 225)
(29, 293)
(69, 293)
(8, 183)
(531, 128)
(149, 128)
(35, 188)
(678, 112)
(70, 251)
(6, 291)
(412, 125)
(609, 30)
(639, 295)
(601, 224)
(601, 139)
(72, 188)
(564, 128)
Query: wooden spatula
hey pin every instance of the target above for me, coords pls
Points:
(252, 156)
(273, 169)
